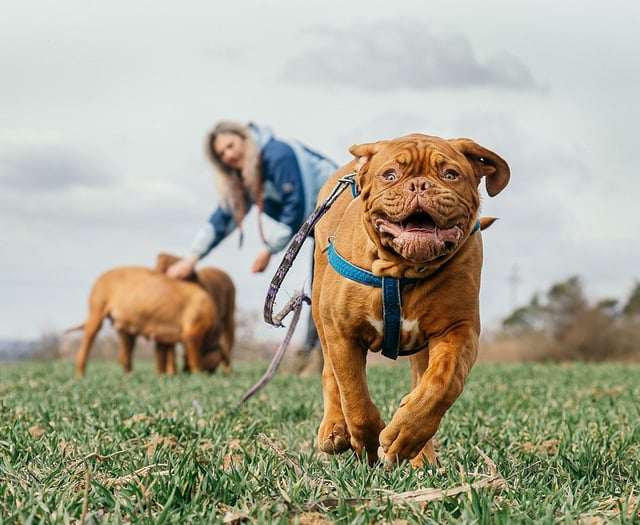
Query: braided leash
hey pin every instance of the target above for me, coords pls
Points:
(299, 297)
(292, 252)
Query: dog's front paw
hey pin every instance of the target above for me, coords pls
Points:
(427, 456)
(387, 460)
(405, 439)
(334, 438)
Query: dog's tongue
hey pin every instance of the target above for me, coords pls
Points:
(419, 221)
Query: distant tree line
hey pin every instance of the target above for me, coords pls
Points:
(565, 325)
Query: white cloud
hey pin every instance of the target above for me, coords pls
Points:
(399, 54)
(49, 168)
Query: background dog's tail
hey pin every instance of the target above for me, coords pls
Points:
(74, 328)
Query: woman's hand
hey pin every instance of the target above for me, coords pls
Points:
(182, 268)
(261, 262)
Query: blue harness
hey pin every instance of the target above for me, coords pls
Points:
(391, 302)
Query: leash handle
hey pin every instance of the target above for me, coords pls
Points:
(292, 252)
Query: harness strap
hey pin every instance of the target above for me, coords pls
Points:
(357, 274)
(392, 315)
(391, 299)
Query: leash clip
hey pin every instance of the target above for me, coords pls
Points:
(340, 187)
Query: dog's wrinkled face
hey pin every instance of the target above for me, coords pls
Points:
(420, 193)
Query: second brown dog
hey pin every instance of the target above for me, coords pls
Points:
(144, 301)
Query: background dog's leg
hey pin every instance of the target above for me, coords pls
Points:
(228, 332)
(126, 349)
(172, 367)
(225, 351)
(161, 358)
(192, 349)
(91, 328)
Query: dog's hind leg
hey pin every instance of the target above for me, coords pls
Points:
(225, 351)
(127, 341)
(163, 359)
(426, 455)
(91, 328)
(192, 348)
(171, 360)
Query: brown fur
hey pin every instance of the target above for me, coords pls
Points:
(219, 285)
(144, 301)
(441, 308)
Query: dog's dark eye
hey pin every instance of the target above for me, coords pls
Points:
(390, 176)
(450, 175)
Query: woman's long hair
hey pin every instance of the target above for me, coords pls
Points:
(237, 187)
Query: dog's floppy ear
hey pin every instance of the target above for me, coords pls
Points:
(485, 164)
(368, 149)
(164, 260)
(364, 152)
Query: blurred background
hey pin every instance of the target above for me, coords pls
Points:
(105, 106)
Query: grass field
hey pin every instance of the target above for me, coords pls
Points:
(525, 443)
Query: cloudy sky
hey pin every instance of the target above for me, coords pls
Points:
(104, 107)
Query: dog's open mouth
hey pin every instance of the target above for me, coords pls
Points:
(418, 238)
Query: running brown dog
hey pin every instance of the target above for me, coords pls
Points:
(144, 301)
(414, 231)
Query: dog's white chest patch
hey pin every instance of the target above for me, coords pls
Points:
(409, 329)
(376, 323)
